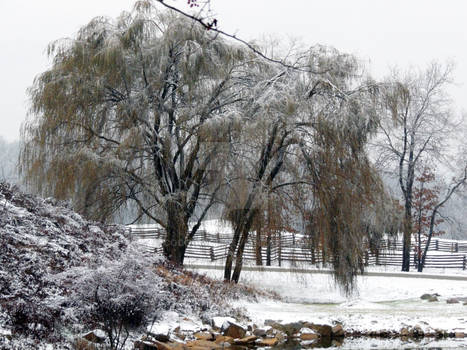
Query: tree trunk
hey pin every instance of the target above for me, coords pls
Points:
(247, 221)
(175, 242)
(239, 258)
(428, 241)
(230, 254)
(268, 248)
(406, 239)
(259, 257)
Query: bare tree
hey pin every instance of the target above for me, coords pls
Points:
(416, 126)
(457, 184)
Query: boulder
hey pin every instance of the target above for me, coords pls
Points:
(426, 296)
(259, 332)
(267, 342)
(309, 336)
(160, 337)
(281, 336)
(233, 330)
(452, 301)
(404, 332)
(433, 298)
(204, 344)
(289, 328)
(222, 339)
(417, 331)
(338, 331)
(204, 336)
(246, 340)
(324, 330)
(218, 322)
(145, 345)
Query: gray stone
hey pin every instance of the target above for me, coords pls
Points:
(234, 330)
(452, 301)
(259, 332)
(323, 329)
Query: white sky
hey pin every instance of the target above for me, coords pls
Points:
(381, 32)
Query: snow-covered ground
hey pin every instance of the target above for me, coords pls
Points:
(379, 302)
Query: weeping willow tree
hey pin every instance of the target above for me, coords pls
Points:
(349, 210)
(136, 110)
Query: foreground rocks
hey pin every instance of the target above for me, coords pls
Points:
(273, 333)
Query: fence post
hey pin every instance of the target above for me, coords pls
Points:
(456, 246)
(211, 253)
(436, 245)
(218, 237)
(463, 263)
(366, 257)
(280, 255)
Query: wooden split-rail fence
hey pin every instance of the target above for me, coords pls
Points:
(293, 249)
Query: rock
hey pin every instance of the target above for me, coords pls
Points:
(145, 345)
(459, 335)
(166, 346)
(269, 322)
(417, 331)
(204, 336)
(404, 332)
(433, 298)
(160, 337)
(426, 296)
(259, 332)
(246, 340)
(218, 322)
(205, 344)
(289, 328)
(267, 342)
(222, 339)
(93, 337)
(309, 336)
(337, 331)
(281, 336)
(452, 301)
(234, 330)
(323, 329)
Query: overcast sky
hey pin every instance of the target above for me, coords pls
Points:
(381, 32)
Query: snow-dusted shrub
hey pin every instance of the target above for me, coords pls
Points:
(61, 275)
(116, 296)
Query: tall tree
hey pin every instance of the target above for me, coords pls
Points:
(138, 110)
(426, 196)
(457, 184)
(416, 127)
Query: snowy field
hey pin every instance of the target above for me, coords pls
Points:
(379, 303)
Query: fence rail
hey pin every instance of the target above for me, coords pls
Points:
(294, 249)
